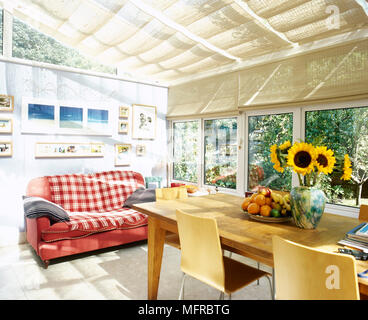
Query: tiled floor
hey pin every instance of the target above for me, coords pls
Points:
(116, 273)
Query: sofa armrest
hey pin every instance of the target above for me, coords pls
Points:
(34, 229)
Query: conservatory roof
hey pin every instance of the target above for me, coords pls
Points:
(173, 41)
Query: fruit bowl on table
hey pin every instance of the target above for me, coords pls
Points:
(268, 205)
(258, 217)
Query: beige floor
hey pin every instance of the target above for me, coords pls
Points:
(116, 273)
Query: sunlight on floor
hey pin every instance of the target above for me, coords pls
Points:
(114, 274)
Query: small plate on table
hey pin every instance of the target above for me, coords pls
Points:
(267, 219)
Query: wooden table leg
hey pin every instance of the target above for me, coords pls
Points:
(156, 240)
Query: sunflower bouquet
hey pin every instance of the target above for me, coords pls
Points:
(309, 161)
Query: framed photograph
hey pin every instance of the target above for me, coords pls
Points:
(6, 149)
(123, 126)
(144, 122)
(122, 154)
(68, 150)
(6, 125)
(71, 117)
(6, 103)
(67, 118)
(140, 150)
(123, 112)
(41, 116)
(97, 120)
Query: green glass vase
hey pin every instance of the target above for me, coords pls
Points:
(307, 206)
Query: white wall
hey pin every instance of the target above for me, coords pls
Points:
(29, 81)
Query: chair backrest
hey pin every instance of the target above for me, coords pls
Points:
(171, 193)
(201, 253)
(363, 212)
(303, 273)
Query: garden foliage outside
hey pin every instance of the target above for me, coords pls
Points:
(343, 130)
(31, 44)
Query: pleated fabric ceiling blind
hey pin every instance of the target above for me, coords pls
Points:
(166, 40)
(337, 73)
(251, 51)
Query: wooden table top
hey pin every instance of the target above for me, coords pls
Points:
(238, 231)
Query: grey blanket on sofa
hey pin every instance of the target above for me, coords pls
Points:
(140, 195)
(35, 207)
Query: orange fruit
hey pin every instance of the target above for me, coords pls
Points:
(246, 203)
(268, 201)
(253, 197)
(253, 208)
(260, 199)
(265, 210)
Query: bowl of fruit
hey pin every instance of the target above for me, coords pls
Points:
(268, 205)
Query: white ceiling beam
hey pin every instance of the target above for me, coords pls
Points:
(263, 21)
(170, 23)
(363, 4)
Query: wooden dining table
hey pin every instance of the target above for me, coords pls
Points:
(238, 232)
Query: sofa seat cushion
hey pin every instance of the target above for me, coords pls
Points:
(83, 224)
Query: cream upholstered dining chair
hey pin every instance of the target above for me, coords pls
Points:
(304, 273)
(171, 193)
(363, 212)
(202, 258)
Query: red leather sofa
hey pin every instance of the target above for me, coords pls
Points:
(94, 203)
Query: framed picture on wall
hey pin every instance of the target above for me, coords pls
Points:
(144, 120)
(140, 150)
(123, 126)
(64, 117)
(6, 103)
(123, 112)
(6, 148)
(6, 125)
(122, 154)
(69, 150)
(97, 120)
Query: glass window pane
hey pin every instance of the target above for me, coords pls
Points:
(31, 44)
(186, 150)
(220, 152)
(263, 132)
(345, 131)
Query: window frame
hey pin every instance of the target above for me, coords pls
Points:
(338, 209)
(265, 112)
(200, 160)
(299, 115)
(238, 188)
(171, 148)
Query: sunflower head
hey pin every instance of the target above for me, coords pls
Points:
(347, 168)
(302, 157)
(285, 145)
(274, 158)
(325, 160)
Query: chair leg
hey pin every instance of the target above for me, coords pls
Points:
(271, 287)
(181, 294)
(222, 296)
(273, 284)
(258, 269)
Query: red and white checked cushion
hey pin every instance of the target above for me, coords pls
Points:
(83, 224)
(99, 192)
